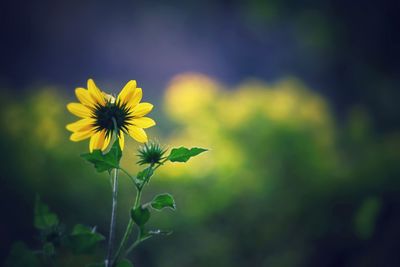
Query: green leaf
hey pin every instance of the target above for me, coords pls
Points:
(105, 162)
(21, 256)
(163, 201)
(183, 154)
(124, 263)
(43, 218)
(140, 215)
(145, 175)
(84, 239)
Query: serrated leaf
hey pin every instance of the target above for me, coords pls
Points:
(163, 201)
(124, 263)
(84, 239)
(43, 218)
(183, 154)
(140, 215)
(105, 162)
(21, 256)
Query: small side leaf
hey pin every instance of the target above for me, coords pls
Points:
(105, 162)
(140, 215)
(163, 201)
(44, 219)
(84, 239)
(183, 154)
(145, 175)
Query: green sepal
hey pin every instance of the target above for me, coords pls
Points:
(163, 201)
(151, 153)
(105, 162)
(183, 154)
(43, 218)
(84, 239)
(140, 215)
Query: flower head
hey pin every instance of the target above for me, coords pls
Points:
(102, 115)
(151, 153)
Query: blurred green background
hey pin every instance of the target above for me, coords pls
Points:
(296, 100)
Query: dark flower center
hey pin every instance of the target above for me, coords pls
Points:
(106, 115)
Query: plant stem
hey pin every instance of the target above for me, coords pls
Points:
(160, 163)
(130, 176)
(129, 228)
(137, 242)
(108, 262)
(127, 233)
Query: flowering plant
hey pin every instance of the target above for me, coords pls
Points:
(105, 120)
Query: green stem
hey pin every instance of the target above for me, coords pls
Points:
(130, 176)
(113, 219)
(137, 242)
(159, 164)
(129, 228)
(127, 233)
(108, 261)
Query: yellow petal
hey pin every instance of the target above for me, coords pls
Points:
(134, 98)
(84, 97)
(95, 93)
(93, 141)
(106, 141)
(97, 140)
(141, 109)
(79, 110)
(100, 141)
(142, 122)
(79, 136)
(128, 90)
(121, 140)
(137, 133)
(81, 125)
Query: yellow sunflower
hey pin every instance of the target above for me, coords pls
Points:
(101, 115)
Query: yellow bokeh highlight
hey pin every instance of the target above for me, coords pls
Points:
(189, 95)
(41, 125)
(212, 117)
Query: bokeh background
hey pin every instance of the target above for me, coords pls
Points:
(296, 100)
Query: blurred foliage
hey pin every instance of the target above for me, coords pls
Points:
(284, 184)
